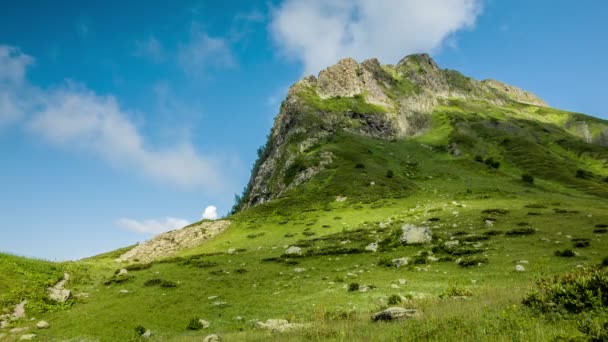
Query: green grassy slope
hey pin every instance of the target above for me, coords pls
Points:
(386, 184)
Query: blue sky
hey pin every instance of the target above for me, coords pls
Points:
(119, 120)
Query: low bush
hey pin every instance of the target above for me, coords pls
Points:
(601, 225)
(600, 230)
(434, 219)
(493, 232)
(475, 238)
(527, 178)
(360, 166)
(353, 287)
(394, 299)
(140, 330)
(472, 261)
(138, 267)
(495, 211)
(535, 206)
(195, 324)
(605, 262)
(574, 292)
(566, 253)
(581, 243)
(118, 279)
(594, 328)
(456, 291)
(479, 158)
(386, 262)
(520, 231)
(160, 282)
(390, 174)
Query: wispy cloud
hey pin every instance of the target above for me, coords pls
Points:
(318, 33)
(153, 226)
(203, 51)
(150, 49)
(73, 116)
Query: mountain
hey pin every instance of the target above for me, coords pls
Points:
(400, 193)
(416, 98)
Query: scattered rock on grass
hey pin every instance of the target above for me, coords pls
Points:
(212, 338)
(27, 337)
(279, 325)
(147, 334)
(42, 325)
(400, 261)
(293, 250)
(394, 313)
(204, 324)
(415, 235)
(372, 247)
(520, 268)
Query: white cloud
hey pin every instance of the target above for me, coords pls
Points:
(203, 51)
(154, 226)
(150, 49)
(210, 213)
(318, 33)
(76, 117)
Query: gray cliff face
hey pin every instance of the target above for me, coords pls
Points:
(398, 101)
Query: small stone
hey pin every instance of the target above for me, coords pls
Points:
(204, 324)
(394, 286)
(520, 268)
(489, 224)
(122, 271)
(299, 270)
(123, 291)
(27, 337)
(18, 330)
(212, 297)
(42, 325)
(147, 334)
(212, 338)
(524, 262)
(402, 281)
(394, 313)
(231, 251)
(293, 250)
(400, 261)
(372, 247)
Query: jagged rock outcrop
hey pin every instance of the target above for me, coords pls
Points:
(380, 101)
(169, 243)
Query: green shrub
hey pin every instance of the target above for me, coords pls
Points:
(527, 178)
(495, 211)
(390, 174)
(600, 231)
(566, 253)
(535, 206)
(520, 231)
(582, 174)
(456, 291)
(353, 287)
(581, 243)
(153, 282)
(479, 159)
(118, 279)
(472, 261)
(360, 166)
(386, 262)
(309, 233)
(493, 232)
(394, 299)
(240, 271)
(140, 330)
(138, 267)
(574, 292)
(492, 163)
(195, 324)
(594, 328)
(601, 225)
(605, 262)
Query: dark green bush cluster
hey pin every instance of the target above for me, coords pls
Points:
(521, 231)
(194, 324)
(583, 174)
(605, 262)
(456, 291)
(475, 238)
(253, 236)
(472, 261)
(581, 242)
(601, 225)
(353, 287)
(490, 162)
(390, 174)
(360, 166)
(575, 292)
(493, 232)
(600, 230)
(594, 328)
(160, 282)
(535, 206)
(140, 330)
(394, 299)
(495, 211)
(566, 253)
(118, 279)
(138, 267)
(527, 178)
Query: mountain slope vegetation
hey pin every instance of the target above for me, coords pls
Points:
(510, 190)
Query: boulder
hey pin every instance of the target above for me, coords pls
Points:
(19, 310)
(372, 247)
(415, 235)
(279, 325)
(42, 325)
(212, 338)
(293, 250)
(401, 261)
(204, 324)
(59, 295)
(394, 313)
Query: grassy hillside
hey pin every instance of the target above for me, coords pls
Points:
(462, 178)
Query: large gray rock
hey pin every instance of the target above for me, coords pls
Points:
(59, 295)
(394, 313)
(293, 250)
(415, 235)
(212, 338)
(279, 325)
